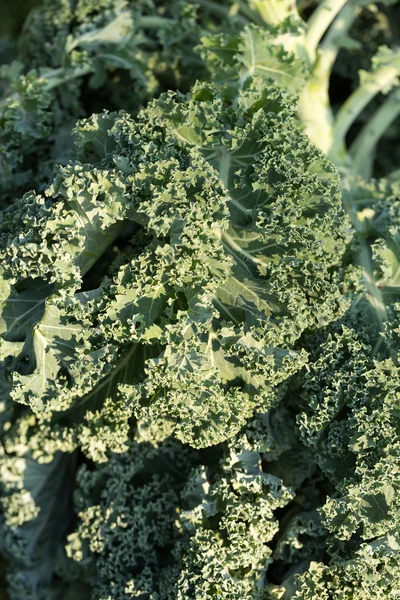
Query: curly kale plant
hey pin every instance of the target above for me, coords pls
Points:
(174, 266)
(77, 57)
(199, 303)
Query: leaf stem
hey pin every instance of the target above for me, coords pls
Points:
(320, 21)
(331, 44)
(363, 149)
(57, 77)
(274, 12)
(314, 103)
(154, 22)
(355, 104)
(230, 242)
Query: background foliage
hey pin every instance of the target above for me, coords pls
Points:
(199, 300)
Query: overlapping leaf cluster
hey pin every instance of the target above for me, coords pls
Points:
(199, 348)
(74, 58)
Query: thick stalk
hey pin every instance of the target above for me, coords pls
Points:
(363, 149)
(320, 21)
(274, 12)
(314, 103)
(332, 42)
(355, 104)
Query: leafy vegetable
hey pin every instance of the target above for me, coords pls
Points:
(215, 280)
(199, 301)
(78, 57)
